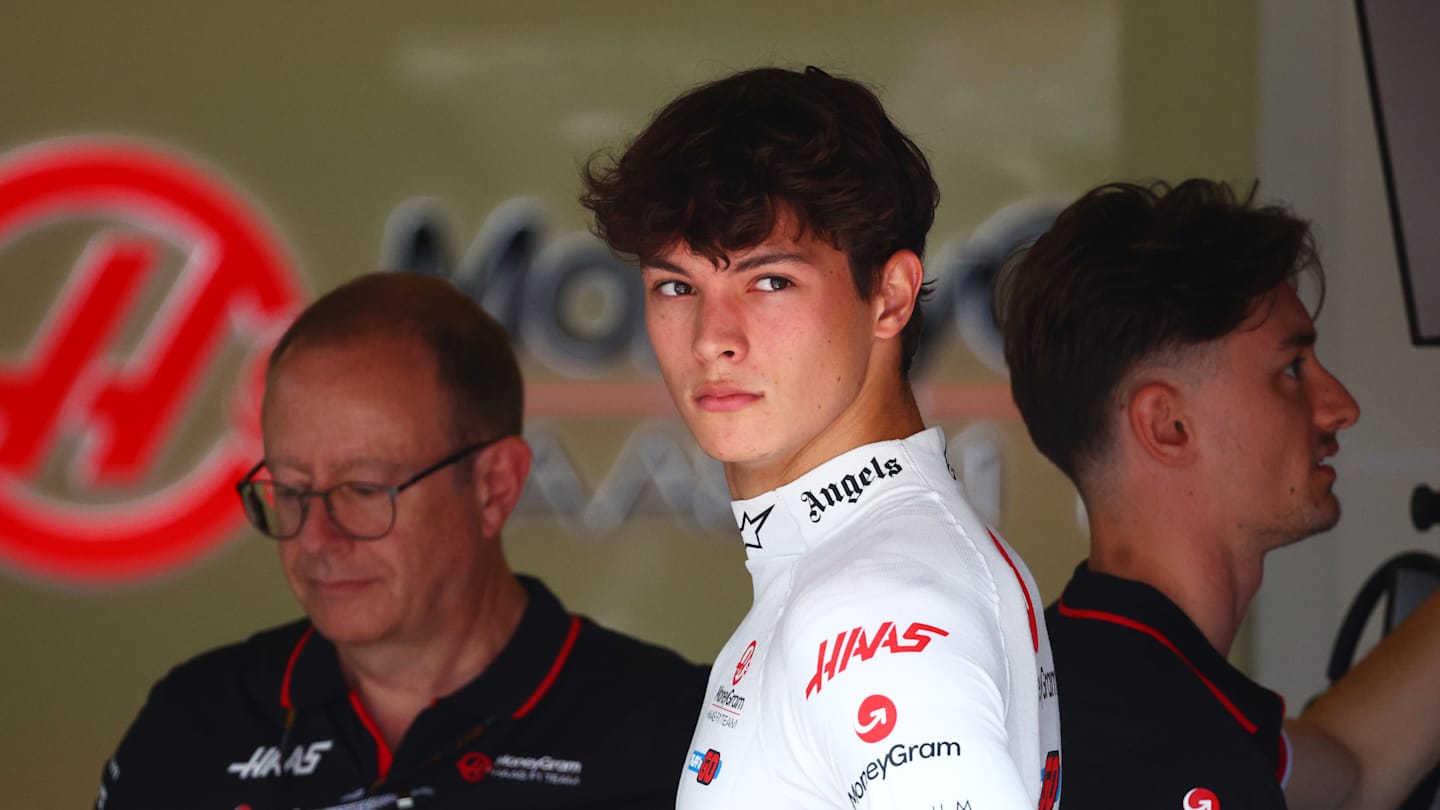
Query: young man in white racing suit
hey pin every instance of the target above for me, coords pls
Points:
(894, 655)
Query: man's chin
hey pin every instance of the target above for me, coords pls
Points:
(1313, 519)
(724, 449)
(344, 623)
(1325, 517)
(346, 631)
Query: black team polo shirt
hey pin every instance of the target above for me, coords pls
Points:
(1151, 715)
(568, 715)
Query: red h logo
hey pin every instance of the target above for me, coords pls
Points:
(234, 280)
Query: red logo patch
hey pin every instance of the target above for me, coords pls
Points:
(474, 766)
(1201, 799)
(709, 767)
(148, 213)
(876, 718)
(744, 665)
(856, 643)
(1050, 781)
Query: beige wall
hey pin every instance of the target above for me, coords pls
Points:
(1319, 150)
(328, 115)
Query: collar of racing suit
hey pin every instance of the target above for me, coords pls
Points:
(802, 514)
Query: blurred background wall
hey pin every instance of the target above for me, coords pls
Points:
(1318, 149)
(339, 136)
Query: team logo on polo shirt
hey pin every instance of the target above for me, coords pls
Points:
(544, 769)
(474, 766)
(876, 719)
(1201, 799)
(267, 761)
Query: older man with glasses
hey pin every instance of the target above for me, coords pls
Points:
(425, 674)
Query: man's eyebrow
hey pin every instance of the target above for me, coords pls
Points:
(1302, 339)
(353, 466)
(747, 263)
(661, 264)
(752, 262)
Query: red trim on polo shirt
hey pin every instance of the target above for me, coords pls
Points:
(1123, 621)
(555, 668)
(382, 748)
(1029, 605)
(1282, 761)
(290, 668)
(383, 755)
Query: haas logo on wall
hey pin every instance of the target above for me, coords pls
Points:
(171, 285)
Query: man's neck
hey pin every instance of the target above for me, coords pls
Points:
(882, 414)
(397, 679)
(1210, 577)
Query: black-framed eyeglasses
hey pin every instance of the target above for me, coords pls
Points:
(362, 509)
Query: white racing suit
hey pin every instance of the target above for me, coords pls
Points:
(895, 655)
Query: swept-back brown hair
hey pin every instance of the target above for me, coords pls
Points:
(716, 166)
(472, 351)
(1127, 273)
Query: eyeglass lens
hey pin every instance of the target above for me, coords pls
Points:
(361, 509)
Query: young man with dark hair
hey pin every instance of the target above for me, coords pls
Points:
(1161, 357)
(425, 673)
(892, 653)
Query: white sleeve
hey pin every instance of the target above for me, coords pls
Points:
(899, 690)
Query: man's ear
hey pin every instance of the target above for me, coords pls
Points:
(499, 473)
(899, 287)
(1160, 425)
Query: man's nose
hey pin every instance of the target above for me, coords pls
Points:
(719, 333)
(318, 530)
(1335, 408)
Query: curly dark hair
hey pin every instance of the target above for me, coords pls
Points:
(718, 165)
(1127, 273)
